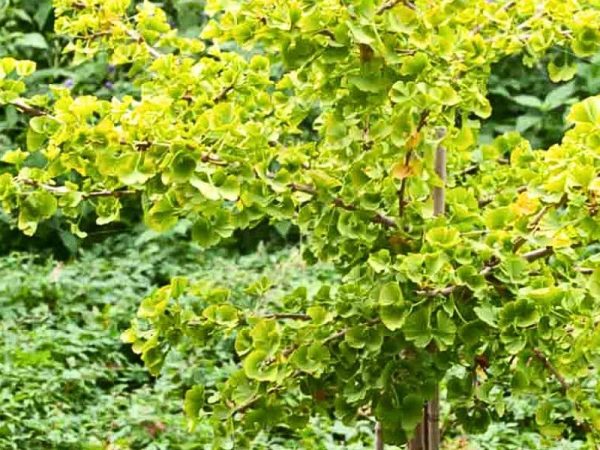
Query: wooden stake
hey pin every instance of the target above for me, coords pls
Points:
(427, 433)
(378, 436)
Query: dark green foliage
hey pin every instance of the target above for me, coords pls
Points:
(525, 99)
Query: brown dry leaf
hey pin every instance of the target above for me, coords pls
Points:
(401, 171)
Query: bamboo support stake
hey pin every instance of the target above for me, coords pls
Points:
(427, 434)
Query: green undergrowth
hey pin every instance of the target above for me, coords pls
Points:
(69, 383)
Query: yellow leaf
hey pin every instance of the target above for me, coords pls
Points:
(561, 240)
(413, 140)
(525, 204)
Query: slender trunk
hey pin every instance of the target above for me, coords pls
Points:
(439, 194)
(427, 433)
(433, 421)
(378, 436)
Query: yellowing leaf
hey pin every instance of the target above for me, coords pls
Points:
(401, 171)
(525, 205)
(561, 240)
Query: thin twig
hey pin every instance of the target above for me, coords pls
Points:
(223, 94)
(29, 110)
(292, 316)
(536, 221)
(529, 257)
(244, 406)
(402, 190)
(390, 4)
(63, 190)
(551, 368)
(486, 201)
(338, 202)
(139, 38)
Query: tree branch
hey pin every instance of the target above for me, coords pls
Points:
(391, 3)
(139, 38)
(486, 201)
(537, 254)
(529, 257)
(62, 190)
(244, 406)
(292, 316)
(401, 191)
(223, 94)
(29, 110)
(551, 368)
(536, 221)
(338, 202)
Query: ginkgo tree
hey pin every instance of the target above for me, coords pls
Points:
(357, 121)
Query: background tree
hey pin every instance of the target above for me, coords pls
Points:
(330, 114)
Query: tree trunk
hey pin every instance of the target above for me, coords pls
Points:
(378, 437)
(427, 433)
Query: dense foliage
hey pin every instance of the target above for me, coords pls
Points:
(338, 117)
(68, 382)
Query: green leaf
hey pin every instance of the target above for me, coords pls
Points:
(559, 96)
(319, 315)
(418, 327)
(206, 189)
(203, 233)
(38, 205)
(183, 167)
(487, 314)
(391, 294)
(470, 276)
(162, 216)
(34, 140)
(522, 313)
(155, 304)
(499, 218)
(586, 42)
(226, 315)
(363, 34)
(412, 411)
(415, 65)
(528, 100)
(562, 67)
(593, 284)
(230, 189)
(311, 358)
(444, 237)
(379, 261)
(445, 329)
(392, 316)
(543, 413)
(266, 336)
(472, 332)
(32, 40)
(256, 367)
(587, 111)
(525, 122)
(16, 157)
(193, 404)
(514, 268)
